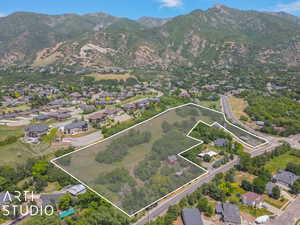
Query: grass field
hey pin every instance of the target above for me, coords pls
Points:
(6, 131)
(99, 76)
(281, 162)
(216, 105)
(83, 164)
(238, 106)
(19, 152)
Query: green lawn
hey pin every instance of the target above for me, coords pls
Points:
(278, 203)
(281, 162)
(6, 131)
(19, 152)
(255, 212)
(216, 105)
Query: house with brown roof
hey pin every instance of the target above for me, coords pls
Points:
(252, 199)
(97, 117)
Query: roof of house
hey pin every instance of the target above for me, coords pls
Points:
(75, 125)
(231, 213)
(220, 142)
(62, 115)
(42, 117)
(76, 189)
(87, 107)
(192, 217)
(97, 116)
(286, 177)
(37, 128)
(253, 197)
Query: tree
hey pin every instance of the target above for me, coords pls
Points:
(65, 202)
(295, 187)
(246, 185)
(205, 207)
(275, 192)
(259, 185)
(3, 182)
(206, 158)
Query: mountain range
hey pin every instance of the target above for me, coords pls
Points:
(220, 37)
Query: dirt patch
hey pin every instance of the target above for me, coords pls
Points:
(112, 76)
(238, 106)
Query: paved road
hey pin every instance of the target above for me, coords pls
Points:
(294, 140)
(230, 116)
(289, 216)
(162, 208)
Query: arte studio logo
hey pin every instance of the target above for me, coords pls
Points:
(14, 204)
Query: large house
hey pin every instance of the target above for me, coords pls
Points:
(285, 178)
(76, 127)
(230, 213)
(252, 199)
(191, 217)
(97, 118)
(36, 130)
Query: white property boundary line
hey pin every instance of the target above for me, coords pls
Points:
(179, 154)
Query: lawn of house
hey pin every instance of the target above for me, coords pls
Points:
(281, 162)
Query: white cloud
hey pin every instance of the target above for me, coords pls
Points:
(291, 7)
(171, 3)
(2, 15)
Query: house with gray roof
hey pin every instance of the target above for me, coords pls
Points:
(87, 108)
(76, 127)
(191, 217)
(285, 178)
(230, 213)
(36, 130)
(220, 142)
(61, 116)
(42, 117)
(77, 189)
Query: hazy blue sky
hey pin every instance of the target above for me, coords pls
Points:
(137, 8)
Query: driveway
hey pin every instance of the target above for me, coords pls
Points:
(86, 140)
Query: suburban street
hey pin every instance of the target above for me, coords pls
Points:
(163, 206)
